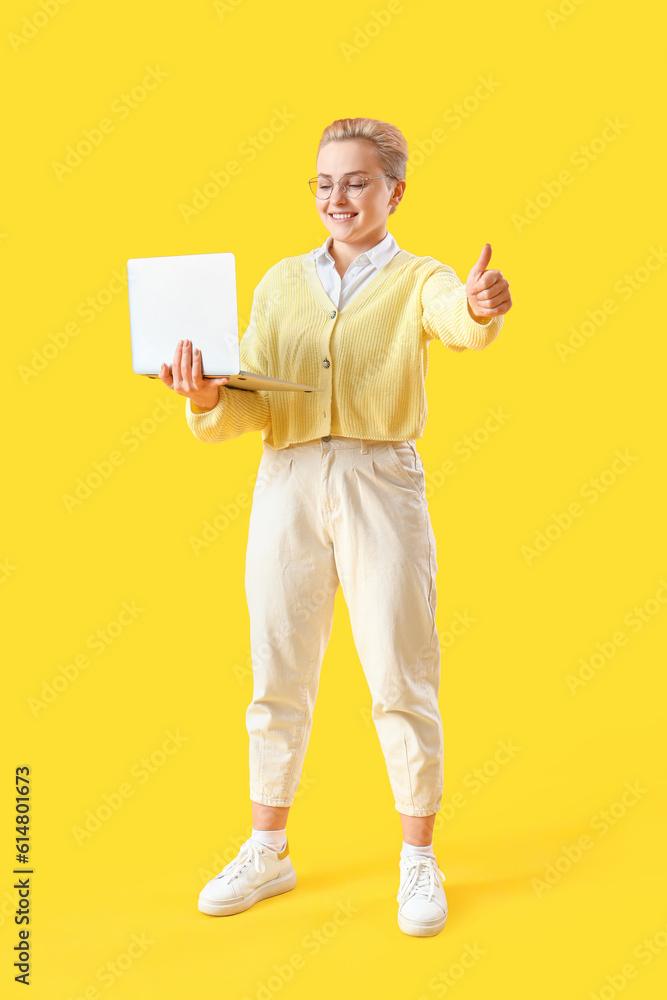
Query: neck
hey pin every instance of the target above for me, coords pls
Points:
(344, 253)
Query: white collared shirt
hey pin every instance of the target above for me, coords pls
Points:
(341, 291)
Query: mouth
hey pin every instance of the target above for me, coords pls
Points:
(342, 216)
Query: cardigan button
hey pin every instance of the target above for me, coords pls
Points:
(333, 313)
(326, 362)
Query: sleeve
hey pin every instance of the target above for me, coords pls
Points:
(238, 410)
(445, 314)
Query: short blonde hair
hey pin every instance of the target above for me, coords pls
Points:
(389, 142)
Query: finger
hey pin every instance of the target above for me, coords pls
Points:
(199, 380)
(482, 262)
(496, 310)
(487, 279)
(176, 366)
(165, 375)
(491, 302)
(186, 384)
(479, 304)
(493, 291)
(186, 363)
(196, 368)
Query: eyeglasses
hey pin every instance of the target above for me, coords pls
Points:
(352, 185)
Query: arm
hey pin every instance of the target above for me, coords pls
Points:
(238, 410)
(447, 315)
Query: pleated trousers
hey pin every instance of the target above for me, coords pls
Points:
(348, 512)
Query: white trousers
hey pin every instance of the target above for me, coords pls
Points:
(345, 511)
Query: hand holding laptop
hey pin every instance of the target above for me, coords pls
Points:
(185, 377)
(195, 294)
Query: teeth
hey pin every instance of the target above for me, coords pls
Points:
(337, 216)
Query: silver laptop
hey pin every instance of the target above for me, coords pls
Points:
(193, 297)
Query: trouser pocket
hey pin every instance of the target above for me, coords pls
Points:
(407, 464)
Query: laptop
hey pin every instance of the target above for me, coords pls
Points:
(193, 297)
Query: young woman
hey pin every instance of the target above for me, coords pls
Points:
(340, 499)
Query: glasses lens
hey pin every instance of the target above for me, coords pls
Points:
(354, 185)
(321, 187)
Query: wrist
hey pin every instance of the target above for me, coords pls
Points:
(204, 405)
(478, 319)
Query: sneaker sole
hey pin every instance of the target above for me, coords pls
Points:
(421, 928)
(273, 888)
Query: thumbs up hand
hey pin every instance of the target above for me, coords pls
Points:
(487, 291)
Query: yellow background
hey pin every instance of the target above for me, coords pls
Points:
(180, 666)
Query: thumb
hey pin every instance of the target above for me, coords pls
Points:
(482, 262)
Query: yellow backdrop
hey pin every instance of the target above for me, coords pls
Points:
(140, 130)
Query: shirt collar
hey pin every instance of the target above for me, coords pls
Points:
(378, 256)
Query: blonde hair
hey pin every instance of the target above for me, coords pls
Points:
(389, 143)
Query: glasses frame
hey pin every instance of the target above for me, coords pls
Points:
(343, 187)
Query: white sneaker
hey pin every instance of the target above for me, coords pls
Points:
(422, 902)
(255, 873)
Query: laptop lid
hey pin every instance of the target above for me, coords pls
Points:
(189, 296)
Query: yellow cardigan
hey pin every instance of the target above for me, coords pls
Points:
(371, 358)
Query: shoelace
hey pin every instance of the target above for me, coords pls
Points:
(250, 853)
(420, 877)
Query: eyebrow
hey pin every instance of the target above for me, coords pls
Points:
(345, 174)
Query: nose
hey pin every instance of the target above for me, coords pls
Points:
(337, 198)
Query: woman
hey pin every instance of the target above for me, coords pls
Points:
(340, 499)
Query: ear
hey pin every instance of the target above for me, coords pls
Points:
(399, 190)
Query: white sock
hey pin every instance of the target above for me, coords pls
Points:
(410, 849)
(275, 839)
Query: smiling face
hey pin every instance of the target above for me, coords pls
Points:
(362, 221)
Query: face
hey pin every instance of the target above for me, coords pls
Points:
(363, 220)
